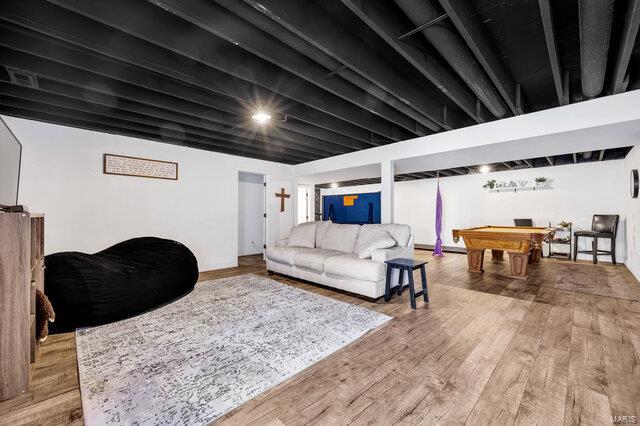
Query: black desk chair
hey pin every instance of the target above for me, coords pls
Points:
(523, 222)
(602, 226)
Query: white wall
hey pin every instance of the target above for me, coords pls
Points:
(632, 209)
(250, 210)
(88, 211)
(578, 191)
(361, 189)
(9, 166)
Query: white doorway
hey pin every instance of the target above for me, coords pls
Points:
(251, 213)
(303, 204)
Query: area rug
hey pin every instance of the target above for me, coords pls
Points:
(592, 279)
(199, 357)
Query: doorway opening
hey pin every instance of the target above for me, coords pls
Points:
(303, 205)
(251, 216)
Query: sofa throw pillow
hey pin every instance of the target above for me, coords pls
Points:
(303, 235)
(321, 230)
(368, 233)
(340, 237)
(401, 233)
(383, 240)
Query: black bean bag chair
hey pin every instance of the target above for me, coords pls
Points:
(122, 281)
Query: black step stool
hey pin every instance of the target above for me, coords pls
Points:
(408, 265)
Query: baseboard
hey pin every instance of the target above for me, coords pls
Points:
(446, 249)
(452, 249)
(217, 265)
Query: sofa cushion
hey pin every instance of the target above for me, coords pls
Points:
(285, 255)
(400, 233)
(321, 230)
(382, 240)
(314, 259)
(349, 266)
(303, 235)
(341, 237)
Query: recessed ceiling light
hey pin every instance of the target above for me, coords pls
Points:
(261, 117)
(485, 168)
(334, 185)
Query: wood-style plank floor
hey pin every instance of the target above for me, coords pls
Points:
(487, 349)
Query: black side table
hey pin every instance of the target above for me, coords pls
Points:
(408, 265)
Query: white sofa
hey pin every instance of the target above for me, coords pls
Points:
(330, 254)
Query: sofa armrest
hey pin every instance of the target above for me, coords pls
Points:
(282, 242)
(382, 255)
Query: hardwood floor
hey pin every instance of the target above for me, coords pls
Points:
(487, 349)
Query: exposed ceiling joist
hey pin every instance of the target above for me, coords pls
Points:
(550, 36)
(216, 53)
(335, 76)
(566, 87)
(51, 100)
(310, 22)
(451, 47)
(627, 41)
(528, 163)
(53, 21)
(380, 19)
(471, 29)
(549, 160)
(601, 156)
(228, 26)
(116, 91)
(74, 57)
(149, 134)
(407, 117)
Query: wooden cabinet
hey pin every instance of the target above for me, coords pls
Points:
(21, 272)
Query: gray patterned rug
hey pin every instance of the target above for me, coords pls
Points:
(195, 359)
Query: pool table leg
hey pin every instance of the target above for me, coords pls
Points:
(518, 263)
(535, 256)
(497, 255)
(475, 258)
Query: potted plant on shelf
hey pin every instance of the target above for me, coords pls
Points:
(490, 184)
(540, 181)
(564, 225)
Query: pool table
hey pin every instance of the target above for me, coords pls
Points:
(523, 243)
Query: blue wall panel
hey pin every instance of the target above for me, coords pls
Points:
(365, 208)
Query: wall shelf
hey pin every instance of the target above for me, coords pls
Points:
(520, 188)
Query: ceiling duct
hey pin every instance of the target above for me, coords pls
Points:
(22, 78)
(596, 17)
(447, 42)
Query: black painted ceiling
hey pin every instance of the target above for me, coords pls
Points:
(337, 75)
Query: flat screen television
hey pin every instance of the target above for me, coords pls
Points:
(10, 156)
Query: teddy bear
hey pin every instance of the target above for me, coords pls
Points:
(44, 315)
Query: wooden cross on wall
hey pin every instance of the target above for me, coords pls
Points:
(282, 196)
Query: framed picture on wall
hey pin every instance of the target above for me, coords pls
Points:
(139, 167)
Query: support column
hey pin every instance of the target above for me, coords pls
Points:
(387, 180)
